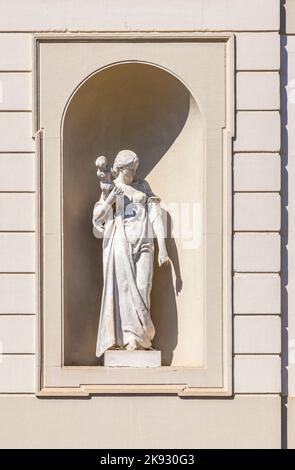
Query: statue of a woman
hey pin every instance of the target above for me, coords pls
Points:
(129, 218)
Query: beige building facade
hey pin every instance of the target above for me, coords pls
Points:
(223, 72)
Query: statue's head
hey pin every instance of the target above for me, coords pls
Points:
(101, 162)
(126, 163)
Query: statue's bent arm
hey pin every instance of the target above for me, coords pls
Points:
(156, 217)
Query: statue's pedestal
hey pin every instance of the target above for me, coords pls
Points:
(138, 358)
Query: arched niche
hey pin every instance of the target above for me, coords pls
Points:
(147, 109)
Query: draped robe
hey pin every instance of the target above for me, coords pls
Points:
(128, 251)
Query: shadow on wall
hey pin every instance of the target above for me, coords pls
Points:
(135, 106)
(166, 323)
(284, 74)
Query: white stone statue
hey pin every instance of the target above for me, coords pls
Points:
(128, 217)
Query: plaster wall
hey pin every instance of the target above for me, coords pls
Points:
(252, 417)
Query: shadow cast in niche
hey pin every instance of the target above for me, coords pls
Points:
(135, 106)
(166, 322)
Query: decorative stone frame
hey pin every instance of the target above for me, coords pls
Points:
(184, 381)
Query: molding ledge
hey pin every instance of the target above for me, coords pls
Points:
(54, 380)
(180, 390)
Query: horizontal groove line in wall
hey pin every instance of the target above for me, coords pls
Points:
(257, 70)
(258, 110)
(251, 354)
(255, 191)
(257, 394)
(262, 315)
(18, 354)
(277, 151)
(9, 315)
(271, 152)
(18, 231)
(18, 152)
(259, 272)
(17, 272)
(256, 272)
(15, 111)
(255, 354)
(17, 394)
(15, 71)
(266, 231)
(17, 192)
(256, 231)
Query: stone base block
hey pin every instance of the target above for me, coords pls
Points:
(123, 358)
